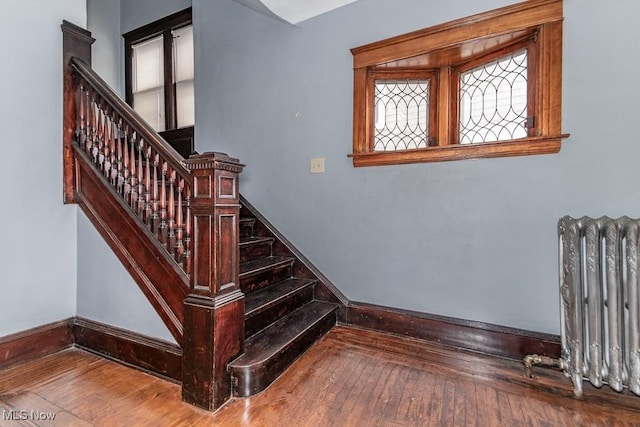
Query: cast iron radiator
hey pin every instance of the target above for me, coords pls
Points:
(600, 302)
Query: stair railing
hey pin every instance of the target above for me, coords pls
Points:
(175, 220)
(143, 170)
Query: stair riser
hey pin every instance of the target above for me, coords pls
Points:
(250, 382)
(258, 321)
(265, 278)
(255, 251)
(246, 229)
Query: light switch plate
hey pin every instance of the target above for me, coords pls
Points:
(317, 165)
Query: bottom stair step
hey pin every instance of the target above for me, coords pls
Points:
(267, 305)
(269, 352)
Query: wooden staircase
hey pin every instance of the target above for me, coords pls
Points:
(240, 300)
(283, 317)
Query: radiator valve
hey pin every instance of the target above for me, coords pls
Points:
(536, 359)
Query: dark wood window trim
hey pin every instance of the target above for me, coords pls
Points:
(536, 24)
(162, 27)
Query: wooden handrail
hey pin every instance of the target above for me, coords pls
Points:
(122, 109)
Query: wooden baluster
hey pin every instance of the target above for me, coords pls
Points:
(154, 221)
(179, 247)
(82, 137)
(141, 190)
(162, 235)
(90, 122)
(187, 231)
(87, 107)
(146, 217)
(127, 178)
(112, 148)
(171, 240)
(133, 197)
(106, 163)
(120, 167)
(94, 127)
(99, 155)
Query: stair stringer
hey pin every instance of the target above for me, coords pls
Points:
(325, 290)
(159, 278)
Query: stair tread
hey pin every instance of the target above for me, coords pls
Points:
(253, 301)
(267, 343)
(254, 239)
(247, 220)
(263, 264)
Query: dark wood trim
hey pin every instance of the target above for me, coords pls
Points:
(76, 42)
(481, 337)
(165, 359)
(35, 342)
(181, 140)
(214, 336)
(151, 355)
(214, 310)
(155, 28)
(128, 74)
(170, 108)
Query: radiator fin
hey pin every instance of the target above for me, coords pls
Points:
(600, 312)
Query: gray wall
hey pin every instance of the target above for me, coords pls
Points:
(103, 20)
(106, 292)
(472, 239)
(38, 251)
(136, 13)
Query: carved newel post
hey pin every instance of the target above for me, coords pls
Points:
(214, 309)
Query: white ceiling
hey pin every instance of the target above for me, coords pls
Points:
(293, 11)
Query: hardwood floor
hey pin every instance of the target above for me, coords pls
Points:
(350, 377)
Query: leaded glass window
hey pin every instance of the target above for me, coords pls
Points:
(493, 100)
(401, 114)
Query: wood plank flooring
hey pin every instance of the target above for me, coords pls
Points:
(351, 377)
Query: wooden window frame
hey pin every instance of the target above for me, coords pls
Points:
(536, 24)
(532, 82)
(163, 27)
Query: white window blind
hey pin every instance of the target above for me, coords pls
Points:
(148, 81)
(183, 75)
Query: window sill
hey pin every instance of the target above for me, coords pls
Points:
(520, 147)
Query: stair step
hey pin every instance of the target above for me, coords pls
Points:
(269, 352)
(269, 304)
(258, 273)
(247, 226)
(255, 247)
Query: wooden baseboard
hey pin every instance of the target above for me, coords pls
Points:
(148, 354)
(35, 342)
(481, 337)
(164, 359)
